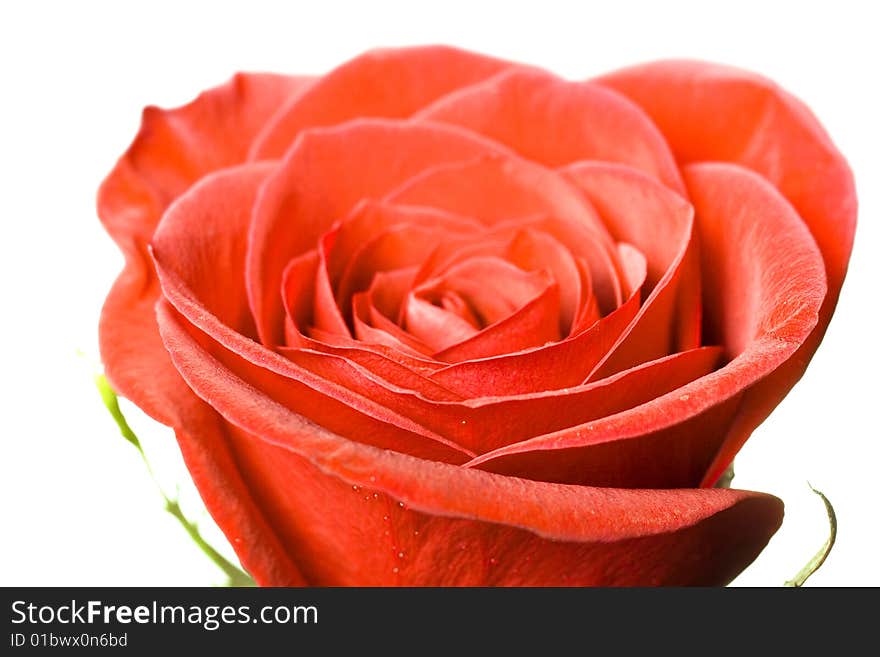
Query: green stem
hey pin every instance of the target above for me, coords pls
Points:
(235, 576)
(820, 556)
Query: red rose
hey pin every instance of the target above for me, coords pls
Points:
(436, 318)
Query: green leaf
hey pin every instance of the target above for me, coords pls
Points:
(819, 558)
(235, 576)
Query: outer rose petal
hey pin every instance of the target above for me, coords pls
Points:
(390, 83)
(413, 514)
(717, 113)
(209, 222)
(762, 307)
(712, 112)
(201, 434)
(173, 149)
(554, 122)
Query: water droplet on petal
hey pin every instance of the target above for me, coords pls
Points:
(355, 488)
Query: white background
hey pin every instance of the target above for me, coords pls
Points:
(77, 504)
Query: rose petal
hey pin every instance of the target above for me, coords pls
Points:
(207, 225)
(554, 122)
(482, 243)
(326, 314)
(523, 243)
(534, 324)
(228, 496)
(485, 424)
(761, 308)
(328, 389)
(370, 218)
(375, 333)
(495, 422)
(388, 291)
(397, 374)
(390, 83)
(211, 219)
(172, 149)
(638, 210)
(492, 287)
(436, 327)
(634, 268)
(298, 294)
(562, 364)
(371, 309)
(323, 176)
(532, 250)
(485, 528)
(147, 376)
(498, 188)
(405, 240)
(713, 112)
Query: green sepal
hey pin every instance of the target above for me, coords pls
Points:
(819, 558)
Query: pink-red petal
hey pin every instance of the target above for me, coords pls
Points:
(659, 223)
(172, 149)
(210, 220)
(498, 188)
(324, 175)
(389, 83)
(555, 122)
(761, 308)
(710, 112)
(352, 514)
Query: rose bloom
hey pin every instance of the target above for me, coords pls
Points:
(435, 318)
